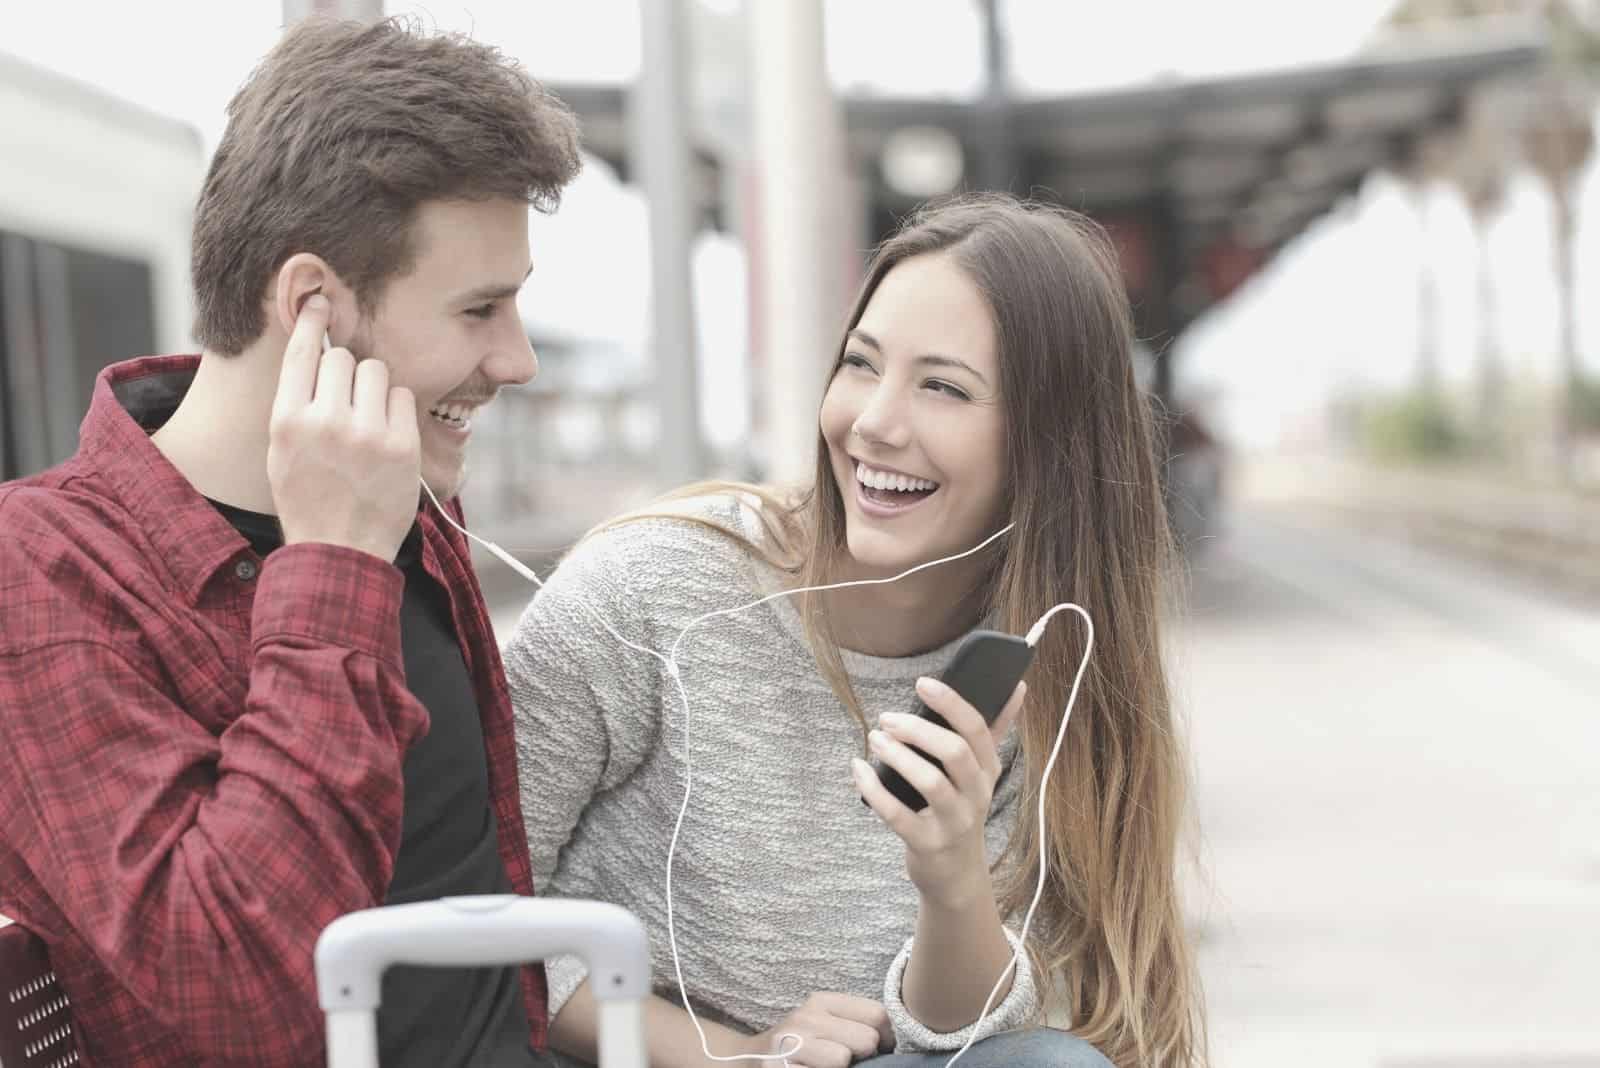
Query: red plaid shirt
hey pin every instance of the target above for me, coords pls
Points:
(204, 751)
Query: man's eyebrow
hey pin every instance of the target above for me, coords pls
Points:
(491, 291)
(932, 359)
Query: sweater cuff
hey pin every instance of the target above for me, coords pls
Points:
(563, 976)
(1018, 1009)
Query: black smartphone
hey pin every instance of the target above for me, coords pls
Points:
(985, 670)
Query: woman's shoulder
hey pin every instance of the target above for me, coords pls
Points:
(689, 538)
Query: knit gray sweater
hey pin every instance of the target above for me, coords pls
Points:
(784, 883)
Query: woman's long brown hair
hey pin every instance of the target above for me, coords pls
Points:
(1090, 527)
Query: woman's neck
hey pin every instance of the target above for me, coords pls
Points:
(904, 618)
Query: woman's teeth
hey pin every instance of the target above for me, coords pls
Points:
(883, 480)
(456, 416)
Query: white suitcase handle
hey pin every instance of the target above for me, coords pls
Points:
(492, 929)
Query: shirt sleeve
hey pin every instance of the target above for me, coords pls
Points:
(199, 868)
(587, 706)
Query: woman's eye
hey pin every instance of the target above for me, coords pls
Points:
(482, 311)
(945, 387)
(851, 359)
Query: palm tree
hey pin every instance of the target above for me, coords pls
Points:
(1558, 140)
(1479, 170)
(1556, 134)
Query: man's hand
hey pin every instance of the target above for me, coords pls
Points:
(343, 457)
(835, 1031)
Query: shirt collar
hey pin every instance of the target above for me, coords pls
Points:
(130, 400)
(133, 398)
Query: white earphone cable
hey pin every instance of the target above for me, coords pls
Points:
(670, 662)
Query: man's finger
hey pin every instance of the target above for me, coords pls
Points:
(371, 395)
(335, 381)
(297, 379)
(403, 418)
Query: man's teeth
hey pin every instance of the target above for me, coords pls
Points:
(456, 415)
(883, 480)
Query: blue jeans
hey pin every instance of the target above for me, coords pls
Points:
(1039, 1047)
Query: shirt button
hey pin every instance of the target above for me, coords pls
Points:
(245, 570)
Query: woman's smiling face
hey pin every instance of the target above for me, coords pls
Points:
(913, 419)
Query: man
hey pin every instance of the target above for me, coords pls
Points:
(247, 685)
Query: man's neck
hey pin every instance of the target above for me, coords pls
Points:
(217, 438)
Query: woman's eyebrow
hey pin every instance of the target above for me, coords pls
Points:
(862, 335)
(933, 359)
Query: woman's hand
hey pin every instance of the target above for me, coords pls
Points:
(944, 842)
(835, 1031)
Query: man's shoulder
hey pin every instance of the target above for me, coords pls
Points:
(62, 506)
(61, 540)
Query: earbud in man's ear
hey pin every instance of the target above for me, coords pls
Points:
(301, 306)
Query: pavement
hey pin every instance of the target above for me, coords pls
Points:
(1397, 781)
(1397, 761)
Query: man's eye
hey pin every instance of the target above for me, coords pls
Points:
(482, 311)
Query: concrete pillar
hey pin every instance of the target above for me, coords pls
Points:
(661, 139)
(799, 254)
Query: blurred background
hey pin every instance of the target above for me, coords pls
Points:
(1357, 236)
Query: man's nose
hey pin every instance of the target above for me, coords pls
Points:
(515, 363)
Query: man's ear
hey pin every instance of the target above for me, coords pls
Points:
(301, 275)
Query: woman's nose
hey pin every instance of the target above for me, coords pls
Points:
(882, 421)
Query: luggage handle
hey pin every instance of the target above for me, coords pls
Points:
(477, 931)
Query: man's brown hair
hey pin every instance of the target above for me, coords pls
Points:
(335, 141)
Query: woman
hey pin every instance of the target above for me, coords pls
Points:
(985, 379)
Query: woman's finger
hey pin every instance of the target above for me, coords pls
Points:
(959, 713)
(950, 749)
(889, 808)
(926, 779)
(1005, 721)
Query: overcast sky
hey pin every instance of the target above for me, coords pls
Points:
(1339, 307)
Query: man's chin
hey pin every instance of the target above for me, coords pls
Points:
(445, 483)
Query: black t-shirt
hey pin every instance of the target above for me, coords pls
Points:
(467, 1017)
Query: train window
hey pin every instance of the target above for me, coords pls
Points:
(65, 313)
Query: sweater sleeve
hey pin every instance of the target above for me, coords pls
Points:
(1022, 1002)
(1016, 1009)
(587, 706)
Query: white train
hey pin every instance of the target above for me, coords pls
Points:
(96, 201)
